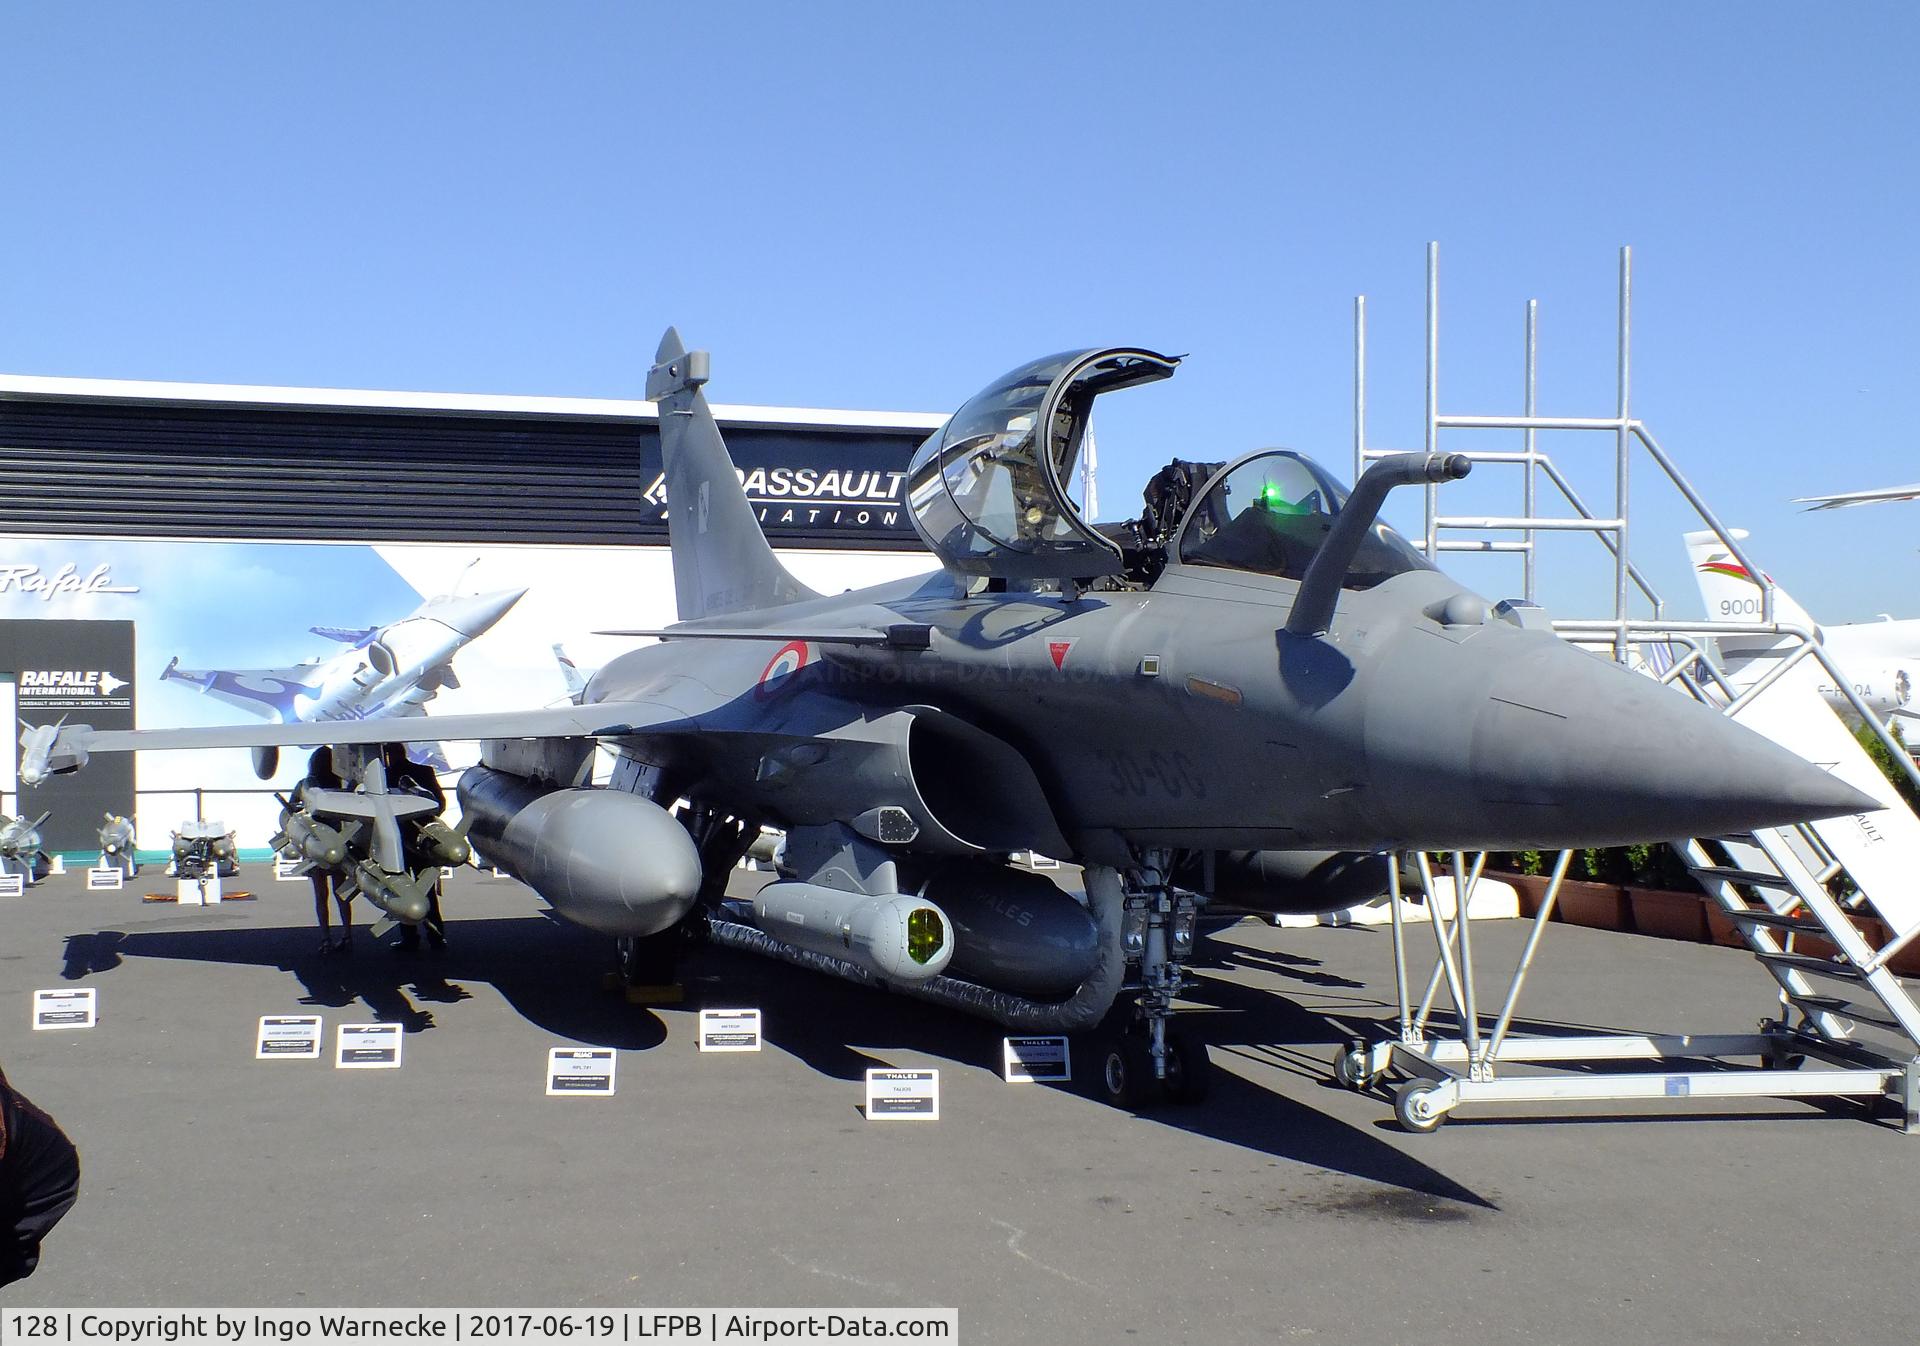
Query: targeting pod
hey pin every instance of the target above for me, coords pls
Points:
(900, 938)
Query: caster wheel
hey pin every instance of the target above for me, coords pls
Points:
(1416, 1107)
(1350, 1069)
(1189, 1072)
(1126, 1074)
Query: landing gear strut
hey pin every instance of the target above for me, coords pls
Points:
(650, 968)
(1148, 1059)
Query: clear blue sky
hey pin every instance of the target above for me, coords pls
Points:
(886, 205)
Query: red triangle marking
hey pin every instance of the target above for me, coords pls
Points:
(1058, 649)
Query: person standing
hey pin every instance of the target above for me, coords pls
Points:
(322, 776)
(39, 1181)
(406, 774)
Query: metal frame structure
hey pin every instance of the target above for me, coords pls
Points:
(1773, 885)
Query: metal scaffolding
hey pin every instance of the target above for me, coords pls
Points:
(1776, 886)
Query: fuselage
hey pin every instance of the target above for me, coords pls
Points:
(1183, 715)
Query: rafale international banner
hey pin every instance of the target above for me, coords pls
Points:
(212, 633)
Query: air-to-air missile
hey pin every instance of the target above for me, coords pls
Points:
(116, 844)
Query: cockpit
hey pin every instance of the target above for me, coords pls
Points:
(1269, 514)
(988, 490)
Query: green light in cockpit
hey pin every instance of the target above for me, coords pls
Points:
(1274, 502)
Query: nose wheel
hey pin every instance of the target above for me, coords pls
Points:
(1128, 1079)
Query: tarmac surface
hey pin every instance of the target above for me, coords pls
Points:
(1284, 1208)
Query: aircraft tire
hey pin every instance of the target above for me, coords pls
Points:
(1126, 1073)
(1189, 1071)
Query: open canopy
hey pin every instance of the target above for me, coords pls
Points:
(987, 490)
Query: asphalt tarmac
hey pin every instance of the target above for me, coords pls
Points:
(1284, 1208)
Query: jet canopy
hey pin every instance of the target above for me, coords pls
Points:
(1268, 514)
(987, 490)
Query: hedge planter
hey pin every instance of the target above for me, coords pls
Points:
(1667, 915)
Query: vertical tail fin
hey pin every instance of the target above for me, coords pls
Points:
(721, 560)
(1732, 595)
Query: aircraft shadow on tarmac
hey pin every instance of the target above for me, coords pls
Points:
(552, 974)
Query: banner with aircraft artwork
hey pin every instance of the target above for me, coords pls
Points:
(242, 632)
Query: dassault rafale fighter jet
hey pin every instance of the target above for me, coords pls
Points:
(1254, 694)
(393, 669)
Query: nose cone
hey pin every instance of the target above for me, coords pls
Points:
(1566, 749)
(473, 616)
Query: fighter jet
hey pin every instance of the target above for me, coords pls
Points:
(391, 670)
(1255, 694)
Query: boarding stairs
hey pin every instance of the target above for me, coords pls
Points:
(1830, 955)
(1842, 1006)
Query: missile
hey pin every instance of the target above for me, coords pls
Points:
(406, 897)
(312, 840)
(900, 938)
(116, 834)
(444, 845)
(608, 860)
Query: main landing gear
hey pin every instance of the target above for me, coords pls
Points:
(1145, 1059)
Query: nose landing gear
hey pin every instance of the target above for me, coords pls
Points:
(1147, 1059)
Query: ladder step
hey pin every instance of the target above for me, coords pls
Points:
(1752, 876)
(1806, 962)
(1793, 925)
(1847, 1009)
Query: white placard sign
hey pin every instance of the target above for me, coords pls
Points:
(729, 1030)
(288, 1037)
(13, 885)
(68, 1007)
(1032, 1060)
(367, 1047)
(903, 1095)
(106, 880)
(580, 1070)
(286, 871)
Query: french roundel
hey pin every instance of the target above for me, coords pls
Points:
(791, 658)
